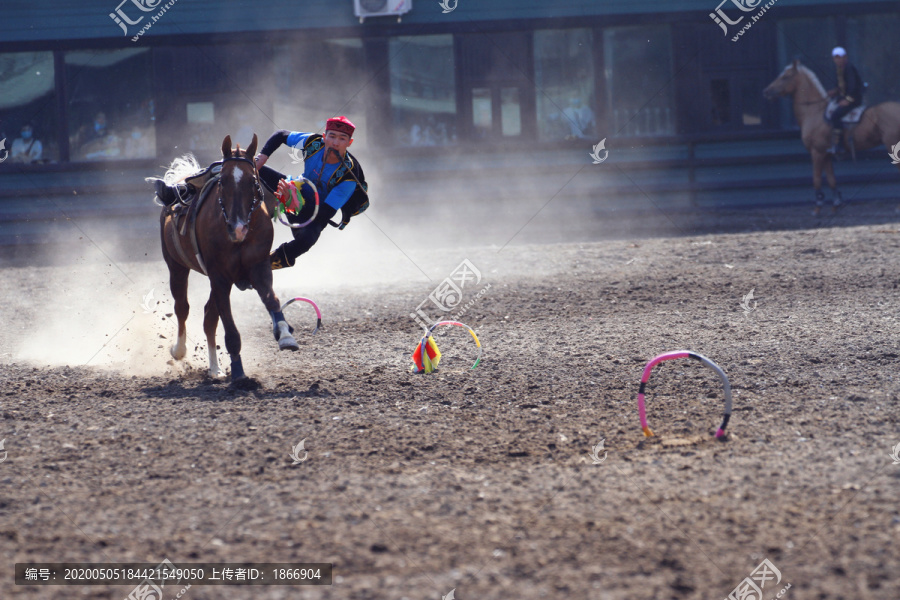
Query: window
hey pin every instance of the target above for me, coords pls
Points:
(873, 46)
(811, 40)
(312, 81)
(423, 90)
(639, 80)
(28, 108)
(111, 110)
(564, 75)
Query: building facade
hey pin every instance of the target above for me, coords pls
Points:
(139, 79)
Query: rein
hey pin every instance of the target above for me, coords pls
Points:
(257, 189)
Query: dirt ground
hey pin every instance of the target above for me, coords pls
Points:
(478, 481)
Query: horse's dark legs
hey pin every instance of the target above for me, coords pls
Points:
(178, 283)
(818, 160)
(261, 277)
(836, 197)
(221, 293)
(210, 323)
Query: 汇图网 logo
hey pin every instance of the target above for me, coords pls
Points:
(894, 154)
(745, 6)
(448, 295)
(753, 586)
(894, 455)
(745, 303)
(596, 153)
(121, 18)
(296, 450)
(595, 453)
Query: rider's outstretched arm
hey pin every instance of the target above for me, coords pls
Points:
(277, 139)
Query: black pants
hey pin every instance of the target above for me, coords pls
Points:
(840, 113)
(304, 237)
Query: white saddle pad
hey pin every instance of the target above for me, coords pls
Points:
(851, 117)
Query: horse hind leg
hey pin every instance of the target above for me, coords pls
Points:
(210, 323)
(178, 282)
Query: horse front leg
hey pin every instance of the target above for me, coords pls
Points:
(818, 160)
(221, 293)
(261, 277)
(210, 323)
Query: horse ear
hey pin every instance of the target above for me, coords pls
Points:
(251, 149)
(796, 62)
(226, 147)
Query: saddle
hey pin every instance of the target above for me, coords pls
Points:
(184, 215)
(850, 121)
(851, 118)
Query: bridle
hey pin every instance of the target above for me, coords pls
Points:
(257, 188)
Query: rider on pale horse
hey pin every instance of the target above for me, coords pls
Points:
(336, 174)
(848, 95)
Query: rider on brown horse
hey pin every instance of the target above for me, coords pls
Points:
(336, 173)
(848, 93)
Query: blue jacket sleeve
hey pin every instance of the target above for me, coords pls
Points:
(340, 194)
(296, 138)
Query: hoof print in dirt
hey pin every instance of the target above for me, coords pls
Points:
(246, 384)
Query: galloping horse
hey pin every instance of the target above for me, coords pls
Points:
(226, 234)
(879, 124)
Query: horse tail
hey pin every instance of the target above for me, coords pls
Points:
(180, 169)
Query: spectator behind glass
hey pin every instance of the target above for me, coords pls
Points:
(98, 142)
(580, 118)
(26, 148)
(140, 144)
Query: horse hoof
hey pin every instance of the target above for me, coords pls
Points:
(288, 343)
(177, 353)
(216, 374)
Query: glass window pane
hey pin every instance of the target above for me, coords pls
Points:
(751, 101)
(811, 40)
(873, 46)
(720, 100)
(564, 75)
(639, 80)
(510, 112)
(28, 121)
(482, 112)
(111, 109)
(423, 90)
(300, 104)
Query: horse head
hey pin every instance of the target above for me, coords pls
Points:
(785, 84)
(239, 189)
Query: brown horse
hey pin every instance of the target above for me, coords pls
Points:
(233, 236)
(879, 124)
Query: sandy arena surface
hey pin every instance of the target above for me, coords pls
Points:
(478, 481)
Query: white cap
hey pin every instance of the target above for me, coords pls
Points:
(838, 51)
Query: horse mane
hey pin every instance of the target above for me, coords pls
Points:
(812, 76)
(181, 168)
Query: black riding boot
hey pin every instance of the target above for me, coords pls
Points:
(170, 194)
(837, 142)
(279, 258)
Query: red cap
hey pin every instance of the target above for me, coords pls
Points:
(341, 124)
